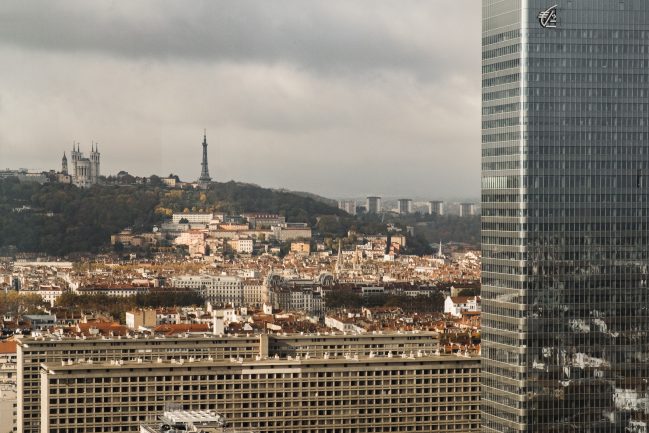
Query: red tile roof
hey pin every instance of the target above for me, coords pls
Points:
(8, 346)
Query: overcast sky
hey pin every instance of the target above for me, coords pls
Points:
(340, 98)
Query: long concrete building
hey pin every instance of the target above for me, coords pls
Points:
(354, 395)
(54, 350)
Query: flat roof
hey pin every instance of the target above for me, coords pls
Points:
(253, 363)
(50, 338)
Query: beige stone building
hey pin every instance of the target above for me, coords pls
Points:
(191, 351)
(300, 247)
(255, 293)
(34, 350)
(141, 318)
(291, 231)
(354, 395)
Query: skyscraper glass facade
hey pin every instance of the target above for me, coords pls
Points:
(565, 225)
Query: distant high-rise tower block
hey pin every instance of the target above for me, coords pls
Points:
(205, 178)
(373, 204)
(436, 207)
(348, 206)
(405, 206)
(84, 171)
(467, 209)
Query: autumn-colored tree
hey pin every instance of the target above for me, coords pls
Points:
(19, 303)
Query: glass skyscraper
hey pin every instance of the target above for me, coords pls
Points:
(565, 225)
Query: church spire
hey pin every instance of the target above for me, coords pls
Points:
(64, 164)
(340, 256)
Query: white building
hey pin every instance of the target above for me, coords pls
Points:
(436, 207)
(242, 245)
(214, 289)
(49, 293)
(404, 206)
(193, 218)
(194, 240)
(170, 181)
(467, 209)
(456, 305)
(343, 325)
(373, 204)
(84, 171)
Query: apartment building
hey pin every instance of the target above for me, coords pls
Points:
(7, 386)
(192, 218)
(32, 351)
(348, 206)
(264, 221)
(297, 299)
(354, 395)
(215, 289)
(337, 345)
(242, 245)
(255, 293)
(436, 207)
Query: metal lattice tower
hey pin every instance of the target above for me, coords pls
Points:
(205, 173)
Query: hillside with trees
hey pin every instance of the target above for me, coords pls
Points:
(60, 219)
(235, 198)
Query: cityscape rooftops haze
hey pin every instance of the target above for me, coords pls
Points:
(324, 216)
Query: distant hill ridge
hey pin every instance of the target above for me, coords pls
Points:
(316, 197)
(59, 219)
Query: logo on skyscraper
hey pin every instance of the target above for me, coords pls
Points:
(548, 18)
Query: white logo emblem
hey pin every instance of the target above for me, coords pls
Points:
(548, 18)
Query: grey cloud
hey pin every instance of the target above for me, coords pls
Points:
(321, 35)
(336, 97)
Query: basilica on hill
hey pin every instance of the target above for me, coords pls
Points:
(83, 171)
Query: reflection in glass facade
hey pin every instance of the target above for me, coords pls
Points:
(565, 226)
